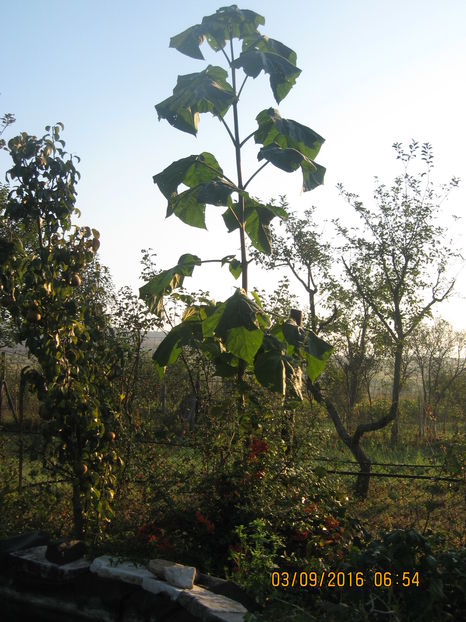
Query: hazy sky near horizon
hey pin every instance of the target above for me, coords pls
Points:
(373, 72)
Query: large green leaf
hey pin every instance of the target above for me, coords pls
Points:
(209, 324)
(236, 323)
(293, 333)
(257, 218)
(217, 29)
(230, 21)
(188, 41)
(170, 348)
(226, 365)
(205, 91)
(190, 205)
(313, 175)
(273, 129)
(289, 145)
(318, 352)
(191, 171)
(270, 371)
(290, 160)
(165, 282)
(275, 370)
(262, 43)
(244, 343)
(282, 72)
(238, 311)
(204, 178)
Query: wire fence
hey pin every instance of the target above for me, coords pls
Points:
(14, 359)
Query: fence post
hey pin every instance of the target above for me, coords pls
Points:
(2, 381)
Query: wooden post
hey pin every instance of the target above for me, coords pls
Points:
(297, 316)
(2, 381)
(22, 388)
(289, 416)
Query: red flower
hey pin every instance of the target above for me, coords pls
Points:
(164, 545)
(310, 507)
(145, 531)
(331, 522)
(205, 521)
(257, 447)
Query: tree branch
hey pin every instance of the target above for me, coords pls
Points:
(242, 86)
(230, 133)
(368, 300)
(247, 138)
(254, 174)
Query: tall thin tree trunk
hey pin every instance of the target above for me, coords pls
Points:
(78, 520)
(2, 381)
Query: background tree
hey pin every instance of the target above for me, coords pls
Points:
(302, 250)
(398, 259)
(440, 355)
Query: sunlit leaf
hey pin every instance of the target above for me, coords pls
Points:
(244, 343)
(235, 268)
(170, 348)
(262, 43)
(239, 311)
(190, 205)
(165, 282)
(317, 354)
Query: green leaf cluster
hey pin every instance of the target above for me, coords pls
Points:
(216, 29)
(167, 281)
(289, 145)
(239, 330)
(205, 91)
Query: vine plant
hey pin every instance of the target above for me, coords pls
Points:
(236, 334)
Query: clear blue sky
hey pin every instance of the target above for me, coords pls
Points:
(373, 72)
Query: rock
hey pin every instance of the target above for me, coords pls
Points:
(176, 574)
(157, 566)
(63, 552)
(33, 562)
(111, 568)
(226, 588)
(155, 586)
(19, 543)
(211, 607)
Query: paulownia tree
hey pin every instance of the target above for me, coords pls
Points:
(235, 334)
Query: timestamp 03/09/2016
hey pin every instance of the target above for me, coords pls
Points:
(332, 579)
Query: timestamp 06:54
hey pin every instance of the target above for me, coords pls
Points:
(333, 579)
